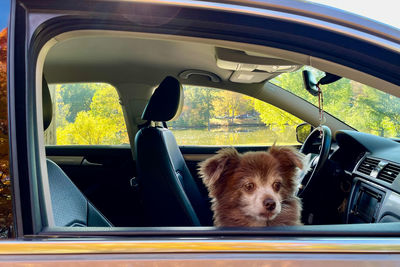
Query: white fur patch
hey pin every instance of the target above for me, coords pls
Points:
(253, 202)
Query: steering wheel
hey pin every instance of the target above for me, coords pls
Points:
(317, 159)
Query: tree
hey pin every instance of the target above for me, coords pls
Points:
(362, 107)
(275, 117)
(380, 112)
(6, 218)
(335, 96)
(62, 110)
(102, 123)
(77, 97)
(198, 108)
(89, 130)
(231, 104)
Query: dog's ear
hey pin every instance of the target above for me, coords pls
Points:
(287, 157)
(211, 169)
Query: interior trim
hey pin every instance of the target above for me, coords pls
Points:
(313, 245)
(67, 160)
(295, 57)
(44, 185)
(197, 157)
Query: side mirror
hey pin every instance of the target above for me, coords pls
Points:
(303, 131)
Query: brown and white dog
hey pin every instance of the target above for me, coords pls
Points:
(255, 188)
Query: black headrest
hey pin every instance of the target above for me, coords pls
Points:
(47, 105)
(164, 104)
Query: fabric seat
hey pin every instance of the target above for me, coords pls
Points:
(169, 193)
(70, 207)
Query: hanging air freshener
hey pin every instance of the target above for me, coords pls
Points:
(322, 119)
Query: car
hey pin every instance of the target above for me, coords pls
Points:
(104, 153)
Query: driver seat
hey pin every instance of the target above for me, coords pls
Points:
(70, 206)
(169, 193)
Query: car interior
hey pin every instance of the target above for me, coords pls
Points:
(154, 182)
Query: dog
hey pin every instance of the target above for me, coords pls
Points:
(255, 188)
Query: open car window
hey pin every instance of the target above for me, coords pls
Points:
(211, 119)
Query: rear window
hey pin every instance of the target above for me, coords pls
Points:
(86, 114)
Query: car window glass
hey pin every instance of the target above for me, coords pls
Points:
(86, 114)
(224, 118)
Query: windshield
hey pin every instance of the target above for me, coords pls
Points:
(362, 107)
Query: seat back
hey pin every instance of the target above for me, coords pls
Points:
(70, 206)
(169, 193)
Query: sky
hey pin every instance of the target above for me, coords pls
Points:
(4, 13)
(386, 11)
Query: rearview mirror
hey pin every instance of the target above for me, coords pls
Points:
(303, 131)
(310, 83)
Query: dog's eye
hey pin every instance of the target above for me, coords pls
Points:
(249, 186)
(276, 186)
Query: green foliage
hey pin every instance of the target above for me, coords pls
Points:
(231, 104)
(380, 112)
(360, 106)
(101, 123)
(197, 109)
(202, 105)
(77, 97)
(6, 214)
(274, 117)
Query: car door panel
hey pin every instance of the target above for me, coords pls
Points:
(103, 174)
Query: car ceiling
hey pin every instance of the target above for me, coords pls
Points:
(141, 62)
(121, 60)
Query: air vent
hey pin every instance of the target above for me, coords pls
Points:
(389, 173)
(368, 165)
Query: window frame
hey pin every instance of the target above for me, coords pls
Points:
(31, 147)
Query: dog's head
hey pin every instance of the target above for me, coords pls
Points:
(256, 183)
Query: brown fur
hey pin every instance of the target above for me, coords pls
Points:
(227, 175)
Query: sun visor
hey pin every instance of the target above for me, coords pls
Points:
(249, 68)
(250, 76)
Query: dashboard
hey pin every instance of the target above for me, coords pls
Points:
(372, 164)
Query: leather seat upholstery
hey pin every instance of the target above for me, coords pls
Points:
(70, 206)
(169, 193)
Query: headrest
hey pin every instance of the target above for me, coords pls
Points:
(165, 103)
(47, 105)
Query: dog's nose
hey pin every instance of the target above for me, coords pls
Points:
(269, 204)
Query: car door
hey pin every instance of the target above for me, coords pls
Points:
(289, 26)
